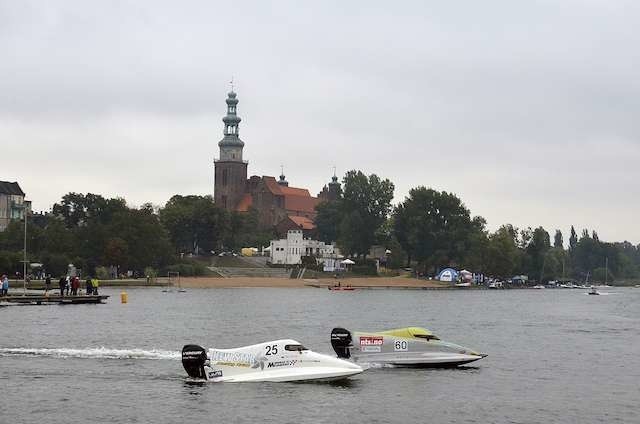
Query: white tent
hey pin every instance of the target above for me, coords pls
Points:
(347, 262)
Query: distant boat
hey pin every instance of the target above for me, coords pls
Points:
(340, 288)
(593, 291)
(538, 286)
(494, 285)
(463, 284)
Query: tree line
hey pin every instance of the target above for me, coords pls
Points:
(92, 232)
(428, 230)
(431, 230)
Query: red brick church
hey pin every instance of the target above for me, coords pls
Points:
(279, 206)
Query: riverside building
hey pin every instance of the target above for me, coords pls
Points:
(12, 203)
(290, 250)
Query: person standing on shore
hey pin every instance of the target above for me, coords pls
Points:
(47, 284)
(89, 286)
(4, 285)
(75, 285)
(67, 284)
(61, 283)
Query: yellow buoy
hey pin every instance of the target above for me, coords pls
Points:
(124, 297)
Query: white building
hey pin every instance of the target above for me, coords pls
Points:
(290, 251)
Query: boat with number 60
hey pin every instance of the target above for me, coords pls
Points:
(409, 346)
(278, 360)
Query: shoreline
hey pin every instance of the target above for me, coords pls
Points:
(391, 283)
(359, 283)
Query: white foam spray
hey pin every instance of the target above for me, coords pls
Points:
(96, 352)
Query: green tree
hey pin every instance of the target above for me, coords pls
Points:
(573, 239)
(328, 221)
(535, 252)
(557, 239)
(194, 223)
(364, 208)
(116, 252)
(78, 209)
(435, 228)
(503, 255)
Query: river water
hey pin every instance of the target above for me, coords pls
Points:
(555, 356)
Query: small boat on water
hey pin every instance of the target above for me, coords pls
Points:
(409, 347)
(341, 288)
(276, 361)
(593, 291)
(538, 286)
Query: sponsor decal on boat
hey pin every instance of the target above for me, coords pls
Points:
(232, 359)
(370, 349)
(234, 364)
(215, 373)
(371, 340)
(282, 363)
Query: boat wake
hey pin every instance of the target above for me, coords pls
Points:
(99, 352)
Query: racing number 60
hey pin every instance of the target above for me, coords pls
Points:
(400, 345)
(271, 350)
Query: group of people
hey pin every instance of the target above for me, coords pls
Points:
(71, 285)
(4, 285)
(68, 285)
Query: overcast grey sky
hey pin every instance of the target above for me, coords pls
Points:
(527, 110)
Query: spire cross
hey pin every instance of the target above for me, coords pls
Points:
(281, 169)
(334, 170)
(231, 82)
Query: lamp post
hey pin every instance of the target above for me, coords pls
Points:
(24, 267)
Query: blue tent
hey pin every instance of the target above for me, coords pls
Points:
(448, 274)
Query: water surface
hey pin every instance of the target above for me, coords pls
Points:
(554, 356)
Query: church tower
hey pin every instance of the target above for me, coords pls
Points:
(230, 171)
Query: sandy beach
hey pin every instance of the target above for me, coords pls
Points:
(373, 282)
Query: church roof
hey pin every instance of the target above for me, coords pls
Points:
(295, 199)
(294, 191)
(10, 188)
(303, 222)
(272, 185)
(301, 203)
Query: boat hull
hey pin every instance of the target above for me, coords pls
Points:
(281, 376)
(435, 360)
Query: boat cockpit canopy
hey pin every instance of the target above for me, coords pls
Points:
(295, 347)
(412, 332)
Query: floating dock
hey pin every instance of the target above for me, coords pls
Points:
(36, 299)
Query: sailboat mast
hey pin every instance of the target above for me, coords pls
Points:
(606, 269)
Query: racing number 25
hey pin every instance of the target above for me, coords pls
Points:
(271, 350)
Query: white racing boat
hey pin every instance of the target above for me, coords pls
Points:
(279, 360)
(410, 346)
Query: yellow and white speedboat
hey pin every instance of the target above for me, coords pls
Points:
(409, 346)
